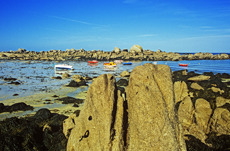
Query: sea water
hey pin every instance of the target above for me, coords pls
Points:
(35, 76)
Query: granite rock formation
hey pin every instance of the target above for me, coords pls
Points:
(146, 121)
(136, 52)
(153, 124)
(99, 125)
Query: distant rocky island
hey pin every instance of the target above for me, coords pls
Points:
(135, 53)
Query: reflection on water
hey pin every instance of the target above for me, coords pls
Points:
(60, 72)
(92, 64)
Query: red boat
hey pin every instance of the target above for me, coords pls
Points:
(184, 65)
(94, 61)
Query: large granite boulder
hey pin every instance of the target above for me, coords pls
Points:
(69, 123)
(186, 113)
(65, 75)
(99, 125)
(125, 74)
(196, 86)
(220, 101)
(136, 48)
(151, 115)
(158, 51)
(117, 50)
(203, 113)
(199, 78)
(180, 90)
(220, 121)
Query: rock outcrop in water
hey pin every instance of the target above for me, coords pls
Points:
(15, 107)
(136, 52)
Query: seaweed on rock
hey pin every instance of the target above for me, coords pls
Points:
(30, 133)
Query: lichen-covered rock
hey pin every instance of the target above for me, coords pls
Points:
(180, 90)
(77, 83)
(220, 101)
(199, 78)
(220, 121)
(158, 51)
(65, 75)
(186, 113)
(117, 50)
(76, 76)
(151, 115)
(136, 48)
(125, 74)
(100, 123)
(203, 113)
(69, 123)
(197, 132)
(196, 86)
(214, 89)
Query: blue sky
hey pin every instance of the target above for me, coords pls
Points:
(169, 25)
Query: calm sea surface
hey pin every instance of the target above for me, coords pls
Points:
(37, 75)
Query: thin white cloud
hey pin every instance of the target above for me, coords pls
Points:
(57, 30)
(73, 20)
(63, 18)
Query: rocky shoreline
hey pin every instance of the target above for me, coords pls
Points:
(135, 53)
(150, 108)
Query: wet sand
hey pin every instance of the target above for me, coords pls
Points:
(45, 100)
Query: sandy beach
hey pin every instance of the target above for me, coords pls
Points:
(45, 100)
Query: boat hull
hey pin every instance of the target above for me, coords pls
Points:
(183, 65)
(109, 64)
(118, 61)
(127, 63)
(94, 61)
(63, 67)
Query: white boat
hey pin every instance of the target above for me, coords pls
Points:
(154, 62)
(63, 66)
(118, 61)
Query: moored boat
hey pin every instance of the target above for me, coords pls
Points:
(118, 61)
(94, 61)
(110, 64)
(63, 66)
(184, 65)
(127, 63)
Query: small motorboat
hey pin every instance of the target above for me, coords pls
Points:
(155, 62)
(127, 63)
(94, 61)
(118, 61)
(184, 65)
(63, 66)
(111, 64)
